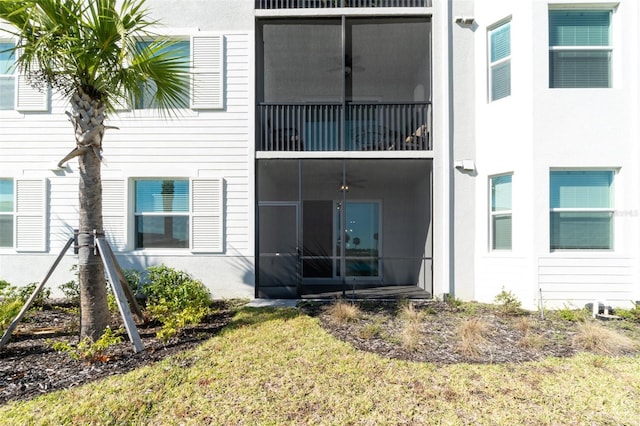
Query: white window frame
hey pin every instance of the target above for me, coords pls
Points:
(499, 213)
(611, 210)
(609, 48)
(499, 62)
(205, 213)
(137, 213)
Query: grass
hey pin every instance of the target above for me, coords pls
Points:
(594, 337)
(342, 312)
(411, 325)
(277, 366)
(471, 336)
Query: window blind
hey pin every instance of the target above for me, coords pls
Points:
(157, 196)
(501, 193)
(579, 48)
(581, 189)
(500, 67)
(588, 227)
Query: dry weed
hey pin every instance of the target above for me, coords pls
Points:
(523, 324)
(596, 338)
(343, 312)
(471, 335)
(410, 335)
(410, 314)
(531, 341)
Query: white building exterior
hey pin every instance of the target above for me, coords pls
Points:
(459, 245)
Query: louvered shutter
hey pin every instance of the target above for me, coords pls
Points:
(113, 213)
(28, 98)
(31, 206)
(207, 79)
(207, 215)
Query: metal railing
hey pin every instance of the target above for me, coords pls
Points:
(349, 127)
(327, 4)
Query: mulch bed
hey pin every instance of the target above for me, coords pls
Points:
(30, 367)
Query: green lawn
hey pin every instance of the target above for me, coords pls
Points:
(276, 366)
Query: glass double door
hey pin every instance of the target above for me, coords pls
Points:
(341, 239)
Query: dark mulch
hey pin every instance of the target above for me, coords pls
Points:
(522, 337)
(30, 367)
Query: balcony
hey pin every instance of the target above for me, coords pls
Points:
(329, 4)
(353, 126)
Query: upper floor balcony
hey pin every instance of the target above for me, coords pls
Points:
(344, 84)
(329, 4)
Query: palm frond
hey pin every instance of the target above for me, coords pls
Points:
(94, 45)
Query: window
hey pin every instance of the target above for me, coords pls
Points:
(500, 61)
(579, 48)
(581, 210)
(6, 213)
(162, 213)
(7, 77)
(500, 222)
(178, 49)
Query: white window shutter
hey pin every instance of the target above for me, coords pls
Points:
(207, 215)
(30, 99)
(113, 212)
(31, 214)
(207, 71)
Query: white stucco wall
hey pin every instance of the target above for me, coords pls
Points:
(537, 129)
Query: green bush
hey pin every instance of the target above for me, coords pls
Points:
(509, 303)
(71, 289)
(87, 350)
(9, 309)
(573, 315)
(174, 298)
(632, 314)
(13, 298)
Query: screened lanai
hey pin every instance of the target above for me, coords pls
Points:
(344, 84)
(358, 227)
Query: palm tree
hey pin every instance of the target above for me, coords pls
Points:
(100, 55)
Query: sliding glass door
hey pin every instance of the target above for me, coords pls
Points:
(358, 234)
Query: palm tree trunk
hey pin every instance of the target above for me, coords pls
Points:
(88, 118)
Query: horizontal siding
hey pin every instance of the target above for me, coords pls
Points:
(198, 143)
(576, 281)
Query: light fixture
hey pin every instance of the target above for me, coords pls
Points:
(344, 187)
(464, 20)
(466, 165)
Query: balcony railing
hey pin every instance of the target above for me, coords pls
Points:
(350, 127)
(328, 4)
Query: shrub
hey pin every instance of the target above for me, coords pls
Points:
(343, 312)
(632, 314)
(90, 351)
(573, 315)
(509, 303)
(9, 309)
(174, 299)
